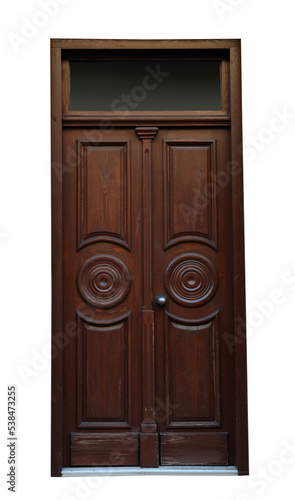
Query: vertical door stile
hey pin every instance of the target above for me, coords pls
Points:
(149, 455)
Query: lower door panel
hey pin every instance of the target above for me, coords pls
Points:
(113, 450)
(194, 448)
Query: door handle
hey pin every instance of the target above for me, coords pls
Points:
(161, 300)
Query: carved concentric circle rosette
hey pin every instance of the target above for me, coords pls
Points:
(103, 281)
(191, 280)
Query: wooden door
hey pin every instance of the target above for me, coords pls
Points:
(192, 243)
(103, 296)
(149, 377)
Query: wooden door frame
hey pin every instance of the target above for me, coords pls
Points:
(231, 115)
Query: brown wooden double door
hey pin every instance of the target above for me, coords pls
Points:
(147, 286)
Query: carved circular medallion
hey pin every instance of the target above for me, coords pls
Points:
(103, 281)
(191, 280)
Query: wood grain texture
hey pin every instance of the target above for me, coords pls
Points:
(146, 135)
(102, 281)
(91, 44)
(149, 448)
(198, 282)
(152, 118)
(111, 450)
(104, 373)
(66, 90)
(242, 460)
(224, 84)
(148, 349)
(157, 385)
(194, 448)
(190, 200)
(103, 192)
(56, 266)
(192, 373)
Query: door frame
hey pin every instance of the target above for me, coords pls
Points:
(230, 116)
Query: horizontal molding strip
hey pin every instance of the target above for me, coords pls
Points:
(159, 471)
(93, 44)
(107, 120)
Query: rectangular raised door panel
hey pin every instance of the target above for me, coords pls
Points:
(192, 374)
(103, 191)
(104, 449)
(190, 191)
(148, 257)
(104, 377)
(194, 449)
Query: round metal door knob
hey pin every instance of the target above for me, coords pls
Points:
(161, 300)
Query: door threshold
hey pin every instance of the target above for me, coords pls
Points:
(159, 471)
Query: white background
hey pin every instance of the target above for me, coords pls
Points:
(267, 30)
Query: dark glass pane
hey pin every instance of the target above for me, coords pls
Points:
(145, 85)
